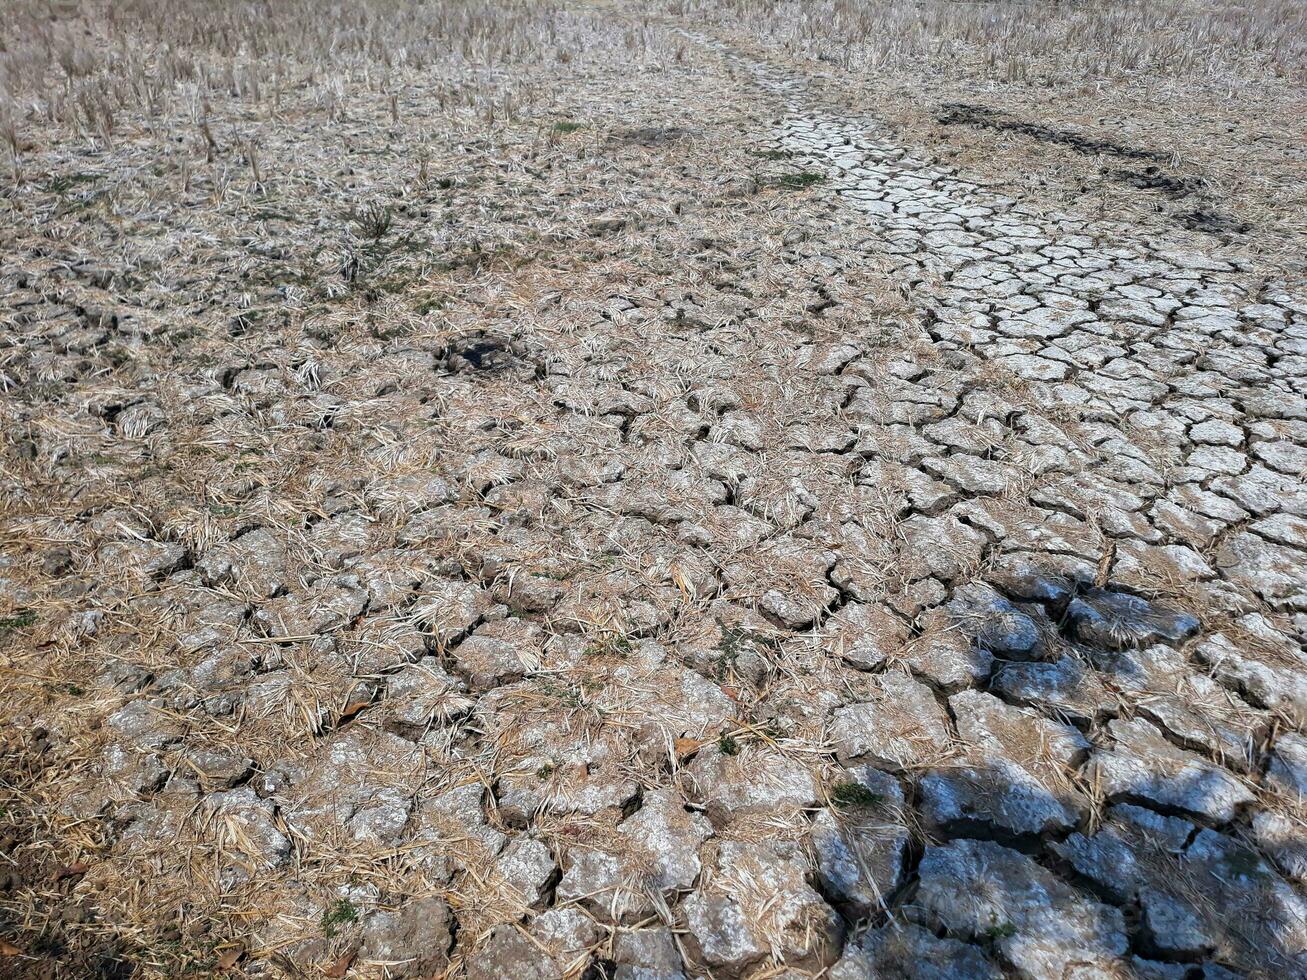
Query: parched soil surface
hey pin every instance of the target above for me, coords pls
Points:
(693, 535)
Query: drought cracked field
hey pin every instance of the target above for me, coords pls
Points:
(708, 488)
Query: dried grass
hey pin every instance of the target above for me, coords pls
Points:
(295, 216)
(1046, 44)
(1212, 89)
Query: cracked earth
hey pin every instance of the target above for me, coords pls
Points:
(836, 567)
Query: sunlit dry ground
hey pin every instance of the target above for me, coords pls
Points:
(648, 491)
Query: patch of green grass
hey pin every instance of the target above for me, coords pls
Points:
(728, 745)
(18, 621)
(722, 665)
(735, 642)
(800, 181)
(1001, 931)
(394, 285)
(1242, 863)
(431, 304)
(550, 573)
(732, 642)
(63, 183)
(284, 275)
(848, 796)
(270, 214)
(569, 695)
(613, 644)
(86, 203)
(342, 913)
(568, 127)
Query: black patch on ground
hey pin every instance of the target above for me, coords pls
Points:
(960, 113)
(1212, 222)
(485, 354)
(1150, 179)
(797, 182)
(482, 355)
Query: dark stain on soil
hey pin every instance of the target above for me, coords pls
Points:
(1151, 179)
(1148, 178)
(482, 353)
(960, 113)
(1212, 222)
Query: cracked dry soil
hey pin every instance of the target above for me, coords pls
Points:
(766, 553)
